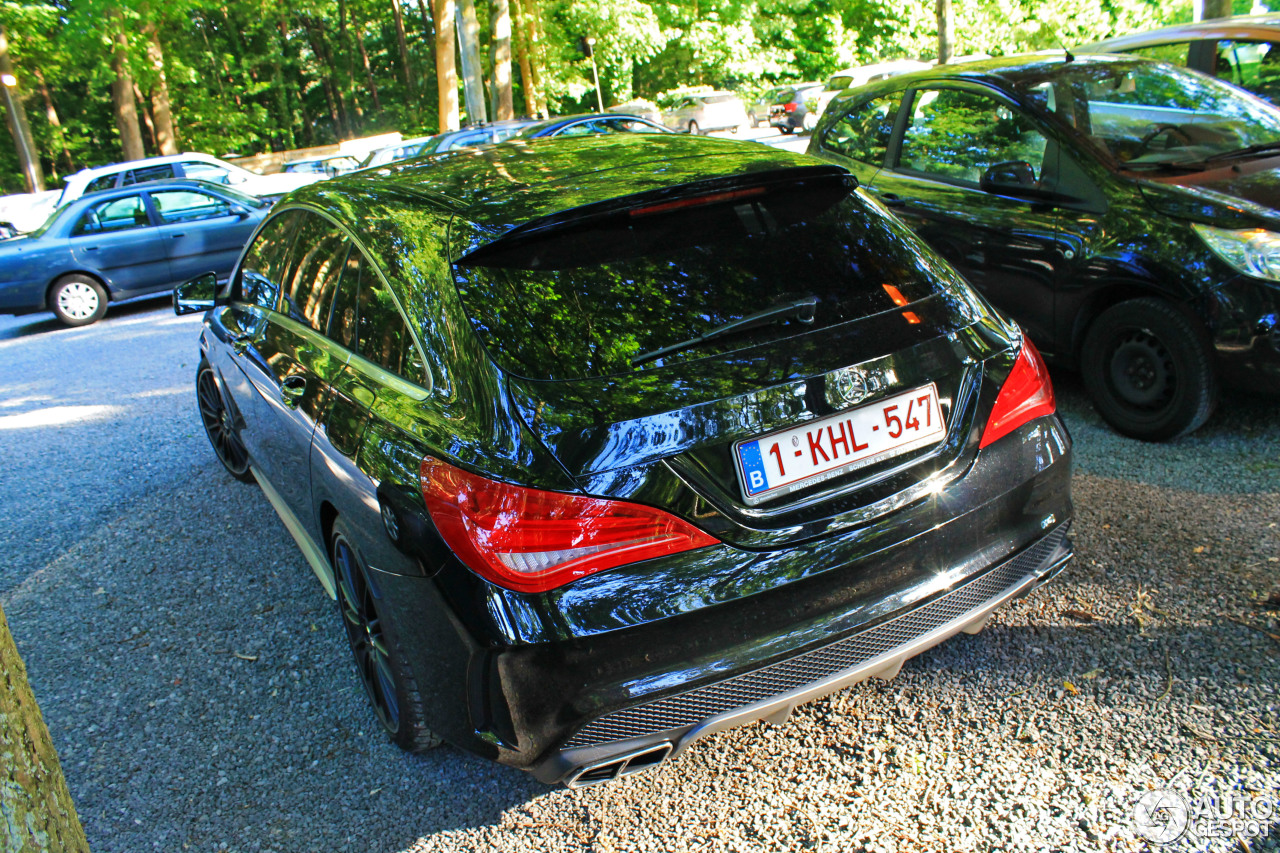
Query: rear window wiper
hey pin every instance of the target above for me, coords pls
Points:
(1263, 148)
(802, 309)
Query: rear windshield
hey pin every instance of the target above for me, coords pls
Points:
(594, 297)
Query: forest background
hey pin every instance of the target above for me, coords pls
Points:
(106, 80)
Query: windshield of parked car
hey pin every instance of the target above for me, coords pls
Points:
(1143, 114)
(600, 296)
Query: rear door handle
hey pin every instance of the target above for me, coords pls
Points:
(176, 236)
(292, 388)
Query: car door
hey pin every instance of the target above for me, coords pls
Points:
(947, 140)
(203, 232)
(118, 239)
(296, 365)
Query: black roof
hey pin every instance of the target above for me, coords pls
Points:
(500, 187)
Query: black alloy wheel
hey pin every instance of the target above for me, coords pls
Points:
(377, 655)
(219, 426)
(1149, 369)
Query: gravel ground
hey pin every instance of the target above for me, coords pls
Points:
(192, 673)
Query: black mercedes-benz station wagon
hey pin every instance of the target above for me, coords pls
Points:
(589, 476)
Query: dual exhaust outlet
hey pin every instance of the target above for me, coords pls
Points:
(619, 766)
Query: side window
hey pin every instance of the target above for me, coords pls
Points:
(384, 338)
(342, 320)
(266, 262)
(582, 128)
(119, 214)
(149, 173)
(1174, 54)
(205, 172)
(1252, 65)
(106, 182)
(958, 135)
(863, 133)
(322, 253)
(188, 206)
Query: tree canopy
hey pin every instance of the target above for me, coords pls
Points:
(241, 77)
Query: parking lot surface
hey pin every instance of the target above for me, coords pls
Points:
(193, 675)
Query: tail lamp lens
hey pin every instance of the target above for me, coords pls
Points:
(790, 107)
(1026, 395)
(530, 540)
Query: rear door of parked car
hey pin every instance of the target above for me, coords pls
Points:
(202, 231)
(118, 238)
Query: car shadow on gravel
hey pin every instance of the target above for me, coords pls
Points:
(44, 322)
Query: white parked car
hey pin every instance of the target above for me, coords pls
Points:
(23, 212)
(703, 112)
(199, 166)
(851, 78)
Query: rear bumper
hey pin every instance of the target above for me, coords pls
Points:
(642, 736)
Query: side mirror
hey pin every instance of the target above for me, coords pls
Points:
(1015, 175)
(198, 295)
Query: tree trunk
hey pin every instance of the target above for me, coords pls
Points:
(446, 63)
(38, 814)
(522, 59)
(469, 47)
(166, 135)
(404, 57)
(122, 101)
(946, 31)
(368, 68)
(530, 8)
(1217, 9)
(51, 116)
(145, 115)
(500, 19)
(28, 157)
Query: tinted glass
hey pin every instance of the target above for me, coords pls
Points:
(342, 319)
(188, 206)
(267, 261)
(1174, 54)
(205, 172)
(106, 182)
(384, 338)
(150, 173)
(322, 253)
(959, 135)
(584, 299)
(120, 214)
(863, 133)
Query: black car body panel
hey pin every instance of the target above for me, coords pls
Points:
(337, 416)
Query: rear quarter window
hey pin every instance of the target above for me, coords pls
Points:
(266, 263)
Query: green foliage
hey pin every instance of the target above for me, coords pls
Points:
(254, 75)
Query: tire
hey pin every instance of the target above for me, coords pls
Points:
(380, 661)
(786, 129)
(218, 425)
(693, 128)
(77, 300)
(1149, 369)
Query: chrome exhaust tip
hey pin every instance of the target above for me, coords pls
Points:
(619, 766)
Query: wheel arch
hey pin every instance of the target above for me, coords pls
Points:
(1109, 293)
(328, 518)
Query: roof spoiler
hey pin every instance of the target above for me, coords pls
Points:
(717, 190)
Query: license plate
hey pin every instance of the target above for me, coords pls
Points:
(791, 459)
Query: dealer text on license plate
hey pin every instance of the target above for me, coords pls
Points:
(788, 460)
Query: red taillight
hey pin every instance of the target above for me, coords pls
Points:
(1027, 394)
(791, 107)
(531, 540)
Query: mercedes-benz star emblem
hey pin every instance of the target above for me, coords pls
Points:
(849, 386)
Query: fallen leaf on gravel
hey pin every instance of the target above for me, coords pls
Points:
(1093, 673)
(1079, 615)
(1199, 549)
(250, 658)
(1071, 688)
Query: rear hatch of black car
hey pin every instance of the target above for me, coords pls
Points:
(779, 344)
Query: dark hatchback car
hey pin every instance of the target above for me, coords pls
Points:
(118, 244)
(1124, 211)
(796, 108)
(587, 482)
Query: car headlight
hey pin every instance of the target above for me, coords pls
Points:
(1252, 251)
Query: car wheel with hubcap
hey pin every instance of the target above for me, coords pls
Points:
(693, 128)
(77, 300)
(786, 128)
(1149, 369)
(219, 425)
(379, 659)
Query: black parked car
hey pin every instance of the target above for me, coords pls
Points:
(587, 482)
(1126, 212)
(796, 108)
